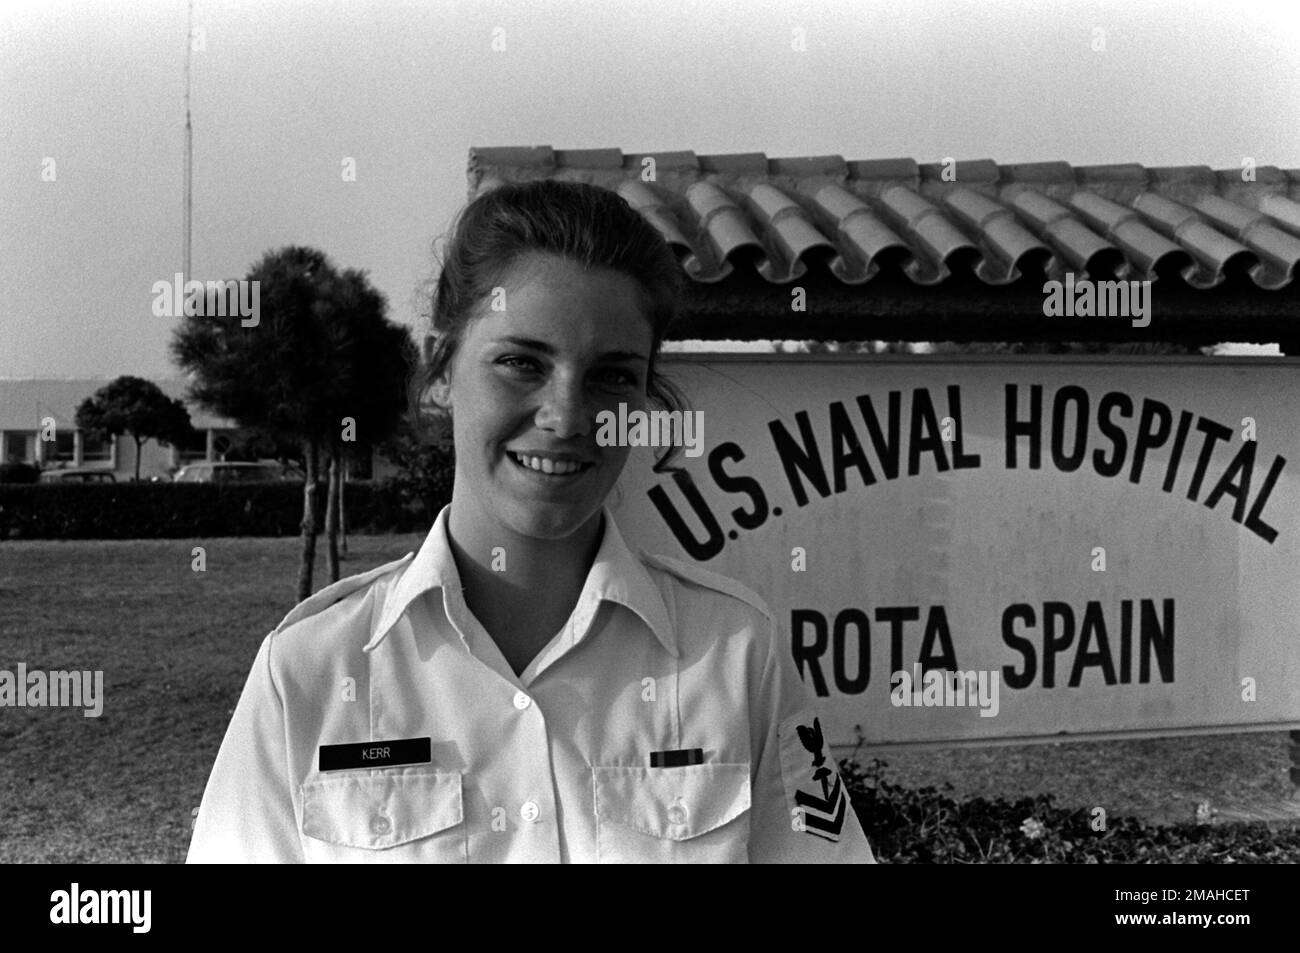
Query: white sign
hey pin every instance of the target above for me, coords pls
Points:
(1098, 546)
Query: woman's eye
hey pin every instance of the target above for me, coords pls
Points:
(617, 378)
(517, 362)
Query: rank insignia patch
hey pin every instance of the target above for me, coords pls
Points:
(817, 799)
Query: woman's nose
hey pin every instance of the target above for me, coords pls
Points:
(564, 410)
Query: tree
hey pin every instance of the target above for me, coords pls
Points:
(426, 468)
(322, 367)
(134, 406)
(249, 444)
(380, 356)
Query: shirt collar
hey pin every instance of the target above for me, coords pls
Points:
(616, 574)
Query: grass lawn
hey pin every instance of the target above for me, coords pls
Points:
(175, 647)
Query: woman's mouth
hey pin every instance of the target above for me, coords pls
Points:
(547, 467)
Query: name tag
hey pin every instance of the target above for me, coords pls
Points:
(678, 758)
(376, 754)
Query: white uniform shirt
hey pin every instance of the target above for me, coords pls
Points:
(551, 766)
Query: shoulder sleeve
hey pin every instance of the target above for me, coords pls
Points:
(247, 814)
(337, 591)
(802, 810)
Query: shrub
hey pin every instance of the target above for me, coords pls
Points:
(928, 826)
(19, 473)
(180, 510)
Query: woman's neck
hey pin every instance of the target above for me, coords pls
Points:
(520, 588)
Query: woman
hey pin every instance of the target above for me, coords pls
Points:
(527, 687)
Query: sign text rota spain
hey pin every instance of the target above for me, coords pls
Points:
(984, 549)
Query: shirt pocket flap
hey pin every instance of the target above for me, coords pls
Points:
(673, 803)
(379, 811)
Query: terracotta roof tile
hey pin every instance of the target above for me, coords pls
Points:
(865, 242)
(859, 219)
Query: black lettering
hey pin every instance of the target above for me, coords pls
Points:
(887, 452)
(738, 484)
(807, 656)
(1147, 438)
(924, 419)
(800, 460)
(1176, 454)
(936, 628)
(1126, 641)
(857, 684)
(1069, 462)
(1253, 522)
(960, 461)
(1213, 431)
(714, 540)
(1019, 611)
(1031, 428)
(1094, 624)
(1052, 643)
(1159, 636)
(1113, 400)
(846, 449)
(1242, 464)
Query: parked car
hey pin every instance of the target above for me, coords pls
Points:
(230, 472)
(77, 475)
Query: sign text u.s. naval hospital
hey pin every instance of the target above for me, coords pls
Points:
(1100, 545)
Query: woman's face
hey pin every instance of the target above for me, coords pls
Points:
(527, 380)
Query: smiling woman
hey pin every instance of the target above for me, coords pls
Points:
(528, 687)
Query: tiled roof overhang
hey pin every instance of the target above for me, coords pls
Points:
(893, 249)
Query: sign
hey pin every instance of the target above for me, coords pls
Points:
(1098, 546)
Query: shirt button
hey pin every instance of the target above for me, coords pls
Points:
(380, 825)
(522, 701)
(530, 811)
(677, 813)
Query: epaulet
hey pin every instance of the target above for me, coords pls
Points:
(336, 591)
(709, 579)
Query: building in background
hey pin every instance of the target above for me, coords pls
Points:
(26, 404)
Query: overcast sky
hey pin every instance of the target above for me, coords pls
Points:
(284, 90)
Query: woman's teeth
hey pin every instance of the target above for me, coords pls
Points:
(543, 465)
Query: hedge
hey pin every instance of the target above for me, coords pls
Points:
(180, 510)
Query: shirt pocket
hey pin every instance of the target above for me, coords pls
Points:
(408, 817)
(692, 814)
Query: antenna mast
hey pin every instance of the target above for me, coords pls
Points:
(189, 144)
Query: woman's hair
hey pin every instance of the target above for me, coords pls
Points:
(584, 223)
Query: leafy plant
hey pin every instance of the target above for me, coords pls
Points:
(138, 408)
(929, 826)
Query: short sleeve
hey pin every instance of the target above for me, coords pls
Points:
(802, 812)
(247, 813)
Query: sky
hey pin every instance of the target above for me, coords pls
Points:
(92, 99)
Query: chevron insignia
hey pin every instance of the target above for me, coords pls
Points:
(811, 777)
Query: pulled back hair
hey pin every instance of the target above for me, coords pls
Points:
(583, 223)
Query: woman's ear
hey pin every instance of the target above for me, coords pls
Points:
(440, 391)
